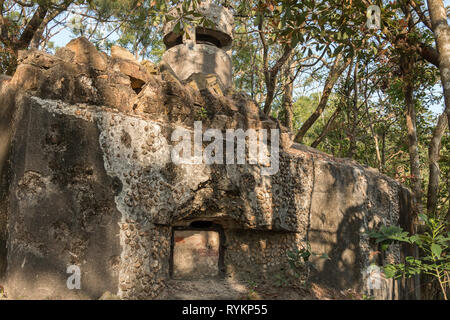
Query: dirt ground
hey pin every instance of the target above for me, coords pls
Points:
(231, 289)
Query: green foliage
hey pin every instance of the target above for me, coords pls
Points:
(296, 256)
(434, 244)
(280, 280)
(299, 261)
(252, 294)
(202, 114)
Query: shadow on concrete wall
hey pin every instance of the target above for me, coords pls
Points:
(64, 209)
(7, 110)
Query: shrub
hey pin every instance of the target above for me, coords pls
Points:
(433, 243)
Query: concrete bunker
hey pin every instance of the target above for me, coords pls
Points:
(200, 49)
(197, 251)
(109, 196)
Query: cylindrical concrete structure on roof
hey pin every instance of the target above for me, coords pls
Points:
(206, 50)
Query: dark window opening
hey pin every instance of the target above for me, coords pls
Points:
(136, 84)
(172, 40)
(203, 36)
(137, 90)
(178, 40)
(207, 39)
(201, 224)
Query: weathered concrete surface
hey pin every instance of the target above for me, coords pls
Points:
(63, 205)
(6, 129)
(88, 179)
(186, 60)
(361, 200)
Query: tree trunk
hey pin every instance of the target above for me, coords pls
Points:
(35, 42)
(287, 97)
(441, 29)
(31, 28)
(327, 128)
(354, 114)
(433, 155)
(416, 177)
(383, 151)
(333, 76)
(329, 124)
(23, 42)
(375, 139)
(271, 75)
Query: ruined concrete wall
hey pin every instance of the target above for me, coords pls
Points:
(62, 209)
(144, 262)
(261, 255)
(7, 103)
(4, 188)
(93, 183)
(361, 200)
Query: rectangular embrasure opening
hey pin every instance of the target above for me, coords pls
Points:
(195, 254)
